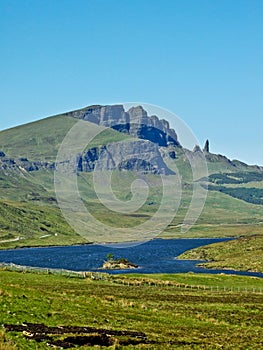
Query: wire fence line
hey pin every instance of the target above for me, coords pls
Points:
(43, 270)
(126, 281)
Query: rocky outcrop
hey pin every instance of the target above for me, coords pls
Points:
(151, 128)
(118, 264)
(136, 155)
(143, 154)
(135, 122)
(197, 149)
(206, 147)
(22, 164)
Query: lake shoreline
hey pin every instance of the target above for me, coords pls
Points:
(158, 256)
(113, 244)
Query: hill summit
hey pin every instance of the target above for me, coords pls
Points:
(133, 145)
(134, 122)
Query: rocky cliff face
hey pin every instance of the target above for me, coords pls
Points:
(21, 165)
(142, 154)
(138, 155)
(135, 122)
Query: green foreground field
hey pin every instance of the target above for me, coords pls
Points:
(173, 311)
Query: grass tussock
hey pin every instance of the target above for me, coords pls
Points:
(6, 344)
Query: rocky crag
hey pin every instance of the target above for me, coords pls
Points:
(134, 122)
(21, 165)
(142, 154)
(153, 144)
(136, 155)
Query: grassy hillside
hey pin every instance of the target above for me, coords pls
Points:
(170, 317)
(28, 187)
(24, 224)
(245, 254)
(218, 167)
(36, 141)
(24, 192)
(34, 203)
(40, 140)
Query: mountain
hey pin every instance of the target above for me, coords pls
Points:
(129, 143)
(135, 122)
(32, 146)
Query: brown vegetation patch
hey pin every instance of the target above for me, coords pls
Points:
(76, 336)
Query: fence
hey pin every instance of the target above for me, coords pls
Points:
(39, 270)
(132, 282)
(189, 287)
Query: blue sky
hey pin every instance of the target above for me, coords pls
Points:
(200, 59)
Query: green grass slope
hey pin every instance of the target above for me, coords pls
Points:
(37, 141)
(170, 317)
(27, 187)
(223, 215)
(40, 140)
(25, 224)
(245, 254)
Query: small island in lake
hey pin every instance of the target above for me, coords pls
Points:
(117, 264)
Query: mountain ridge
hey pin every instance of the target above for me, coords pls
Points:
(28, 159)
(134, 122)
(38, 146)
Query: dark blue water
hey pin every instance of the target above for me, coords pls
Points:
(156, 256)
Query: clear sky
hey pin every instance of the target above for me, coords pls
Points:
(200, 59)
